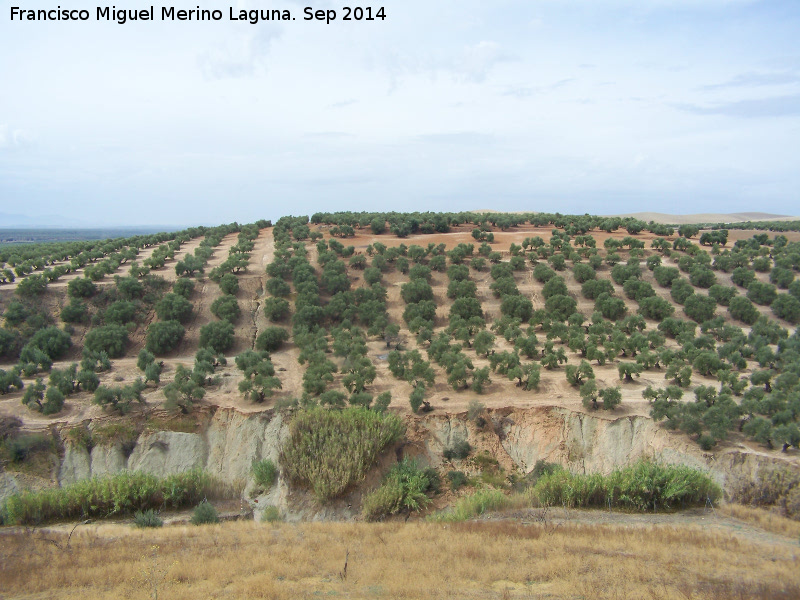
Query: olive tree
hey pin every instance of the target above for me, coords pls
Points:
(218, 336)
(111, 339)
(174, 307)
(164, 336)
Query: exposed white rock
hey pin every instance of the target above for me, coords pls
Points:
(165, 453)
(108, 460)
(76, 464)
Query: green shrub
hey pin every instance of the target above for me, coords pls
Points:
(458, 449)
(610, 307)
(147, 518)
(403, 489)
(707, 441)
(66, 380)
(144, 359)
(124, 493)
(120, 398)
(540, 469)
(722, 294)
(330, 450)
(593, 288)
(475, 409)
(666, 275)
(34, 395)
(19, 448)
(643, 486)
(271, 514)
(558, 307)
(204, 514)
(656, 308)
(265, 473)
(472, 506)
(681, 290)
(787, 307)
(130, 288)
(457, 479)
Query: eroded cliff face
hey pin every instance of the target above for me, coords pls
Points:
(583, 443)
(226, 448)
(230, 442)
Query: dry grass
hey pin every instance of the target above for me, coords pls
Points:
(763, 518)
(394, 560)
(177, 422)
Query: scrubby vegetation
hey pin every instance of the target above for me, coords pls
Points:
(643, 486)
(204, 514)
(265, 473)
(404, 489)
(147, 518)
(329, 450)
(120, 494)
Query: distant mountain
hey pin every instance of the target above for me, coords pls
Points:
(681, 219)
(12, 220)
(706, 217)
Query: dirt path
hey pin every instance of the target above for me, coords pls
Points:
(707, 520)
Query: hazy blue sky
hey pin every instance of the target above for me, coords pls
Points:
(571, 105)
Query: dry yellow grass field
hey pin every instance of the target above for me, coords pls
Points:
(490, 559)
(763, 519)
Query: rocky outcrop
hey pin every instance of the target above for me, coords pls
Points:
(234, 441)
(8, 485)
(76, 464)
(163, 453)
(226, 448)
(107, 460)
(587, 443)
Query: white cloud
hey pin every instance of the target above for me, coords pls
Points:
(440, 104)
(757, 79)
(777, 106)
(476, 61)
(240, 55)
(11, 139)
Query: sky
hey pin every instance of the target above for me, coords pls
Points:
(598, 106)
